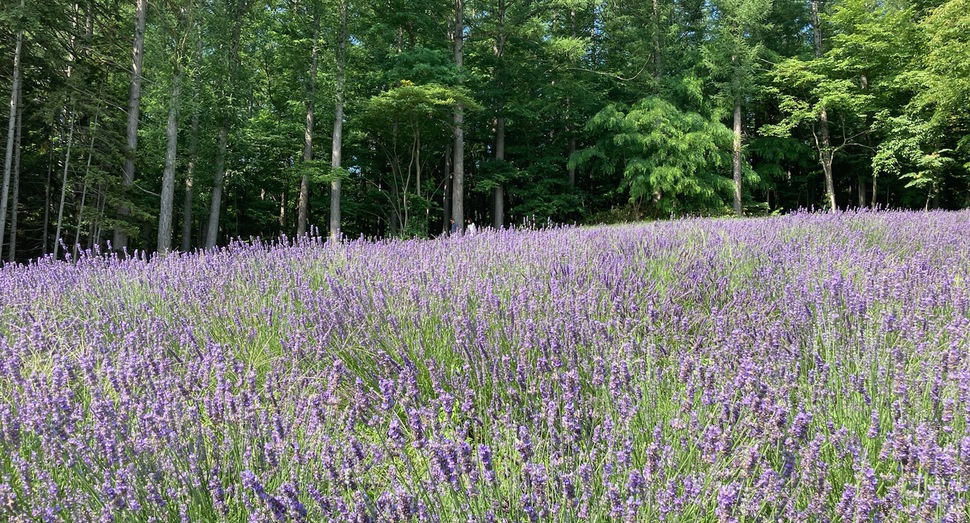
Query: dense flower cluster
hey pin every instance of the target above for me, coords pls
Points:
(803, 368)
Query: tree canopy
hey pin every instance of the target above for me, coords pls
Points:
(156, 125)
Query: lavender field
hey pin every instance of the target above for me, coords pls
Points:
(805, 368)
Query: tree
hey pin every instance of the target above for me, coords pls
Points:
(304, 197)
(134, 107)
(180, 36)
(11, 131)
(336, 158)
(412, 112)
(733, 59)
(458, 164)
(235, 10)
(668, 158)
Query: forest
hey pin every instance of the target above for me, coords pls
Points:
(170, 125)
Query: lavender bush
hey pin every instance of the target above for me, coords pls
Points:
(804, 368)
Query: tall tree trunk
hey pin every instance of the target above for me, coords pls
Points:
(166, 209)
(11, 131)
(76, 247)
(458, 180)
(45, 237)
(304, 201)
(657, 57)
(67, 163)
(190, 183)
(825, 150)
(826, 155)
(498, 195)
(446, 194)
(219, 176)
(737, 159)
(336, 158)
(193, 149)
(15, 197)
(134, 107)
(212, 232)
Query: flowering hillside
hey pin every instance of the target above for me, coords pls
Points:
(802, 368)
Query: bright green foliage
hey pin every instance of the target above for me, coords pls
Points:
(675, 160)
(909, 155)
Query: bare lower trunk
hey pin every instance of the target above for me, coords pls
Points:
(737, 159)
(826, 155)
(167, 210)
(11, 131)
(458, 180)
(862, 190)
(498, 195)
(45, 237)
(875, 187)
(67, 163)
(572, 169)
(336, 158)
(15, 198)
(134, 106)
(189, 185)
(446, 194)
(84, 187)
(215, 206)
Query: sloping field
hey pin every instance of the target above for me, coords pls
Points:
(802, 368)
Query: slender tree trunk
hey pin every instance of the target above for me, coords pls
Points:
(657, 57)
(45, 237)
(826, 152)
(304, 201)
(167, 207)
(875, 187)
(134, 107)
(498, 195)
(446, 194)
(826, 155)
(737, 159)
(283, 203)
(76, 247)
(572, 170)
(190, 183)
(193, 149)
(67, 163)
(336, 158)
(222, 144)
(15, 197)
(11, 131)
(458, 180)
(212, 232)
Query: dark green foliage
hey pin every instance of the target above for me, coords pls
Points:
(611, 110)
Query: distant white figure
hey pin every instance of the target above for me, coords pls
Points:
(470, 229)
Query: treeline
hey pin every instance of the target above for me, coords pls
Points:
(178, 124)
